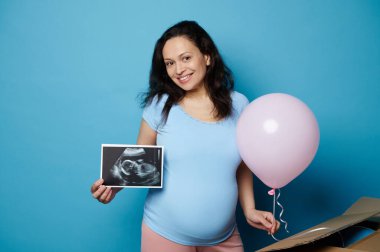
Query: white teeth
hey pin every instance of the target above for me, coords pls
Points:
(184, 77)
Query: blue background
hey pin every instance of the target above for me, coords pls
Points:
(70, 72)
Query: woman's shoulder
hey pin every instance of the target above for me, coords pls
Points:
(239, 100)
(152, 113)
(158, 100)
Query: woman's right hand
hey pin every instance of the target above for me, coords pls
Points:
(102, 193)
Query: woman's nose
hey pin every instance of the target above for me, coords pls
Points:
(179, 68)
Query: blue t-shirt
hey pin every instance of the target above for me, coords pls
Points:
(197, 203)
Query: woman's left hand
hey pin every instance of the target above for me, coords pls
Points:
(262, 220)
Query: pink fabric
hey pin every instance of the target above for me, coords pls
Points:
(152, 242)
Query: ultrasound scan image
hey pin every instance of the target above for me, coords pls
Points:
(134, 166)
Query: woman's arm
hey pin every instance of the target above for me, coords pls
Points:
(245, 185)
(147, 136)
(105, 194)
(256, 218)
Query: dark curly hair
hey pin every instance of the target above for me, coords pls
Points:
(218, 80)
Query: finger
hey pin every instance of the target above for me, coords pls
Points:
(108, 198)
(96, 185)
(273, 222)
(113, 194)
(99, 192)
(104, 194)
(276, 226)
(269, 216)
(257, 225)
(273, 229)
(265, 222)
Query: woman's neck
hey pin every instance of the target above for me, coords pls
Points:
(197, 94)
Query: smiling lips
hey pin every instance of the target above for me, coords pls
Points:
(184, 79)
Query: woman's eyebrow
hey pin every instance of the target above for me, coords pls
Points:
(178, 55)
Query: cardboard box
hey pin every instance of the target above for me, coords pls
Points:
(338, 234)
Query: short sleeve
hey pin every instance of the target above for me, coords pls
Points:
(240, 102)
(152, 113)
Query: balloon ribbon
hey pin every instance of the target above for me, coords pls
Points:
(276, 201)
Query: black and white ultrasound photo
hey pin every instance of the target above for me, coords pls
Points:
(132, 165)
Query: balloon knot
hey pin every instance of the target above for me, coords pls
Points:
(271, 192)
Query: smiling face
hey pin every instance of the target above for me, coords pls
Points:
(185, 64)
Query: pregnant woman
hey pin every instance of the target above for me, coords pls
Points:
(192, 110)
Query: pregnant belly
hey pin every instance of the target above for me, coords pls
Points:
(200, 213)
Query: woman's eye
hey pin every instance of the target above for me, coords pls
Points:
(169, 63)
(186, 58)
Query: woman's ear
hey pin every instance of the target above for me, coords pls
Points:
(208, 60)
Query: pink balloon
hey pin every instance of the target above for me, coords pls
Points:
(277, 137)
